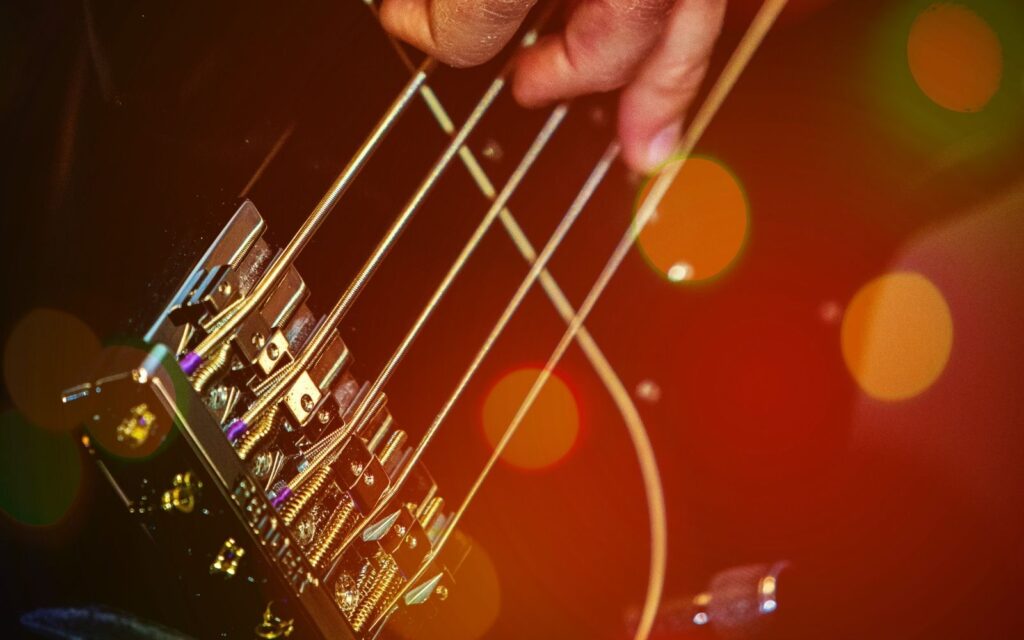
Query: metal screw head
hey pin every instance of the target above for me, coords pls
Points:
(258, 340)
(261, 464)
(411, 541)
(225, 288)
(273, 351)
(400, 531)
(368, 479)
(346, 594)
(356, 468)
(441, 591)
(218, 397)
(306, 402)
(324, 416)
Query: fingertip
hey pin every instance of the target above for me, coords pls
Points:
(404, 19)
(532, 84)
(646, 150)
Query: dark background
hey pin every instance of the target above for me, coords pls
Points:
(130, 132)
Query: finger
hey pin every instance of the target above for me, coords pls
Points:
(652, 106)
(461, 33)
(601, 46)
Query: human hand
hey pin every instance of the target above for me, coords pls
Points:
(657, 51)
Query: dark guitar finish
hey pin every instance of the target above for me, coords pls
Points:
(137, 129)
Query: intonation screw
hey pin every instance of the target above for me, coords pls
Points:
(273, 351)
(307, 402)
(258, 340)
(324, 416)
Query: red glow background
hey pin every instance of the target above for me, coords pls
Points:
(903, 518)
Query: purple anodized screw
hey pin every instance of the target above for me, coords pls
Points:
(235, 429)
(190, 362)
(281, 496)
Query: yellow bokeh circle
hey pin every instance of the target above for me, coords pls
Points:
(548, 430)
(896, 336)
(955, 57)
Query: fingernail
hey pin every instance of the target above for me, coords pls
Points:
(662, 145)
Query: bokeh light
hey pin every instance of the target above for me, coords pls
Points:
(47, 352)
(40, 472)
(955, 57)
(548, 430)
(897, 334)
(700, 225)
(472, 606)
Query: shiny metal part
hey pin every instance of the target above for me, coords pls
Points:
(302, 397)
(183, 494)
(227, 559)
(323, 209)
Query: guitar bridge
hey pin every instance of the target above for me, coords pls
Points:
(215, 496)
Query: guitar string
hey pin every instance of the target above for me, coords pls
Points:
(327, 450)
(554, 120)
(584, 195)
(749, 43)
(643, 448)
(315, 344)
(225, 324)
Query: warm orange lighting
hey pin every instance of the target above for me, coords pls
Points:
(471, 606)
(700, 224)
(548, 430)
(47, 351)
(955, 57)
(897, 334)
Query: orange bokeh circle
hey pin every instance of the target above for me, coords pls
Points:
(47, 352)
(955, 57)
(548, 430)
(896, 336)
(700, 226)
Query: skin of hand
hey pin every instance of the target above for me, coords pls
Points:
(656, 51)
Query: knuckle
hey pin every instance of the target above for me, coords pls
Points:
(678, 77)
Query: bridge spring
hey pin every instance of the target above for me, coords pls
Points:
(339, 522)
(305, 493)
(211, 368)
(381, 587)
(253, 436)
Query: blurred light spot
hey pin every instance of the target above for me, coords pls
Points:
(680, 271)
(896, 336)
(648, 390)
(472, 605)
(955, 57)
(40, 472)
(700, 225)
(47, 352)
(700, 618)
(549, 428)
(830, 312)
